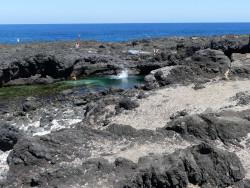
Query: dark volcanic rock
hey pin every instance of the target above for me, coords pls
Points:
(31, 106)
(91, 96)
(75, 157)
(243, 98)
(150, 82)
(89, 108)
(199, 68)
(79, 102)
(240, 65)
(113, 90)
(54, 160)
(210, 61)
(226, 126)
(9, 135)
(198, 86)
(200, 165)
(46, 62)
(36, 79)
(127, 104)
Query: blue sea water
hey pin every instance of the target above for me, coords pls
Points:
(115, 32)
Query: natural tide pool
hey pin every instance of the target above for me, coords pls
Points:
(81, 85)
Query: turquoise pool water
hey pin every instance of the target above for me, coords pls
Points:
(81, 86)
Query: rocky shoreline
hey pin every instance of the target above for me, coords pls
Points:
(188, 125)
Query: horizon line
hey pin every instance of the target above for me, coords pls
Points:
(121, 23)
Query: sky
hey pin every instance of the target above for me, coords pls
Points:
(122, 11)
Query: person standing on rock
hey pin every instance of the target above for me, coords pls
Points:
(18, 40)
(155, 51)
(79, 36)
(77, 46)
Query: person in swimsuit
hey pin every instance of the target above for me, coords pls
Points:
(77, 46)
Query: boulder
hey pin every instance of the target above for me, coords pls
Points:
(79, 102)
(240, 65)
(201, 67)
(113, 90)
(226, 126)
(150, 82)
(9, 135)
(128, 104)
(210, 61)
(31, 106)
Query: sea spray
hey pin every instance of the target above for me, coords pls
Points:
(122, 75)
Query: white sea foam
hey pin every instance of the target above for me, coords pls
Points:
(4, 167)
(121, 75)
(57, 126)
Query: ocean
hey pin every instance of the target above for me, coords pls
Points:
(115, 32)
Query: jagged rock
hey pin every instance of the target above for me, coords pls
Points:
(210, 61)
(64, 158)
(91, 96)
(142, 95)
(46, 120)
(200, 165)
(128, 104)
(89, 108)
(200, 67)
(45, 62)
(226, 126)
(75, 156)
(9, 135)
(36, 79)
(242, 98)
(112, 90)
(150, 82)
(240, 64)
(79, 102)
(198, 86)
(31, 106)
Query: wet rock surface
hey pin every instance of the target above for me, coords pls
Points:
(72, 140)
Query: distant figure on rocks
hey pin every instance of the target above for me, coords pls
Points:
(155, 51)
(74, 78)
(18, 40)
(77, 46)
(79, 36)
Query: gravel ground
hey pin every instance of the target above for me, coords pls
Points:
(155, 111)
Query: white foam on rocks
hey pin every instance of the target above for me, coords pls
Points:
(4, 167)
(57, 126)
